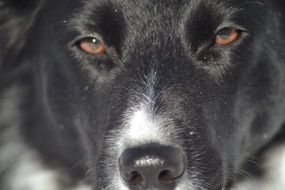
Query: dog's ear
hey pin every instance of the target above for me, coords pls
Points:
(19, 6)
(16, 18)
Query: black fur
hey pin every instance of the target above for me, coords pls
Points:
(71, 103)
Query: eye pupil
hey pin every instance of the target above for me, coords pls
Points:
(225, 33)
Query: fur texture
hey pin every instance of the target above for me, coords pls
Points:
(66, 116)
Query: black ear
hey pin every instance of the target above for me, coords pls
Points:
(16, 18)
(19, 5)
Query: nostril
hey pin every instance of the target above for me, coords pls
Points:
(136, 178)
(166, 177)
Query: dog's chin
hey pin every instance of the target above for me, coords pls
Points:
(182, 186)
(185, 183)
(120, 185)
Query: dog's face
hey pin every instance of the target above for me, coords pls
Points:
(164, 94)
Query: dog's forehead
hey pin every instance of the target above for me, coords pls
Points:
(154, 14)
(147, 5)
(142, 10)
(164, 6)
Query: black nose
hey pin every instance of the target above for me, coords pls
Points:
(152, 166)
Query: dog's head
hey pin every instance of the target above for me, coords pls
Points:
(162, 94)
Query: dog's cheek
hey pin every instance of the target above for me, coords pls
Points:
(259, 92)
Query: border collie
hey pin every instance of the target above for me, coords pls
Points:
(142, 94)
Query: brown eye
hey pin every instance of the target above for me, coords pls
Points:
(227, 36)
(92, 46)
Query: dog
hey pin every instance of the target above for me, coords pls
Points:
(141, 95)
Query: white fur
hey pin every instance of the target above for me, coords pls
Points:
(141, 125)
(274, 178)
(29, 172)
(186, 183)
(21, 167)
(144, 127)
(82, 187)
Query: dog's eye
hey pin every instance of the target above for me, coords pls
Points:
(226, 36)
(91, 45)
